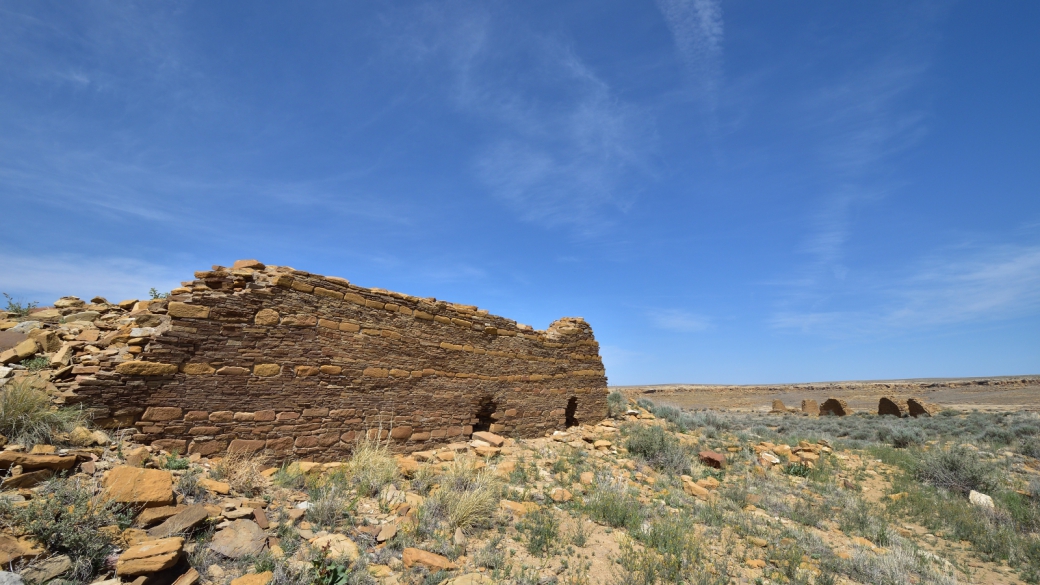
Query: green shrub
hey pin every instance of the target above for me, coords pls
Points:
(613, 505)
(66, 517)
(658, 448)
(18, 309)
(329, 571)
(371, 467)
(28, 417)
(957, 469)
(674, 539)
(617, 405)
(542, 530)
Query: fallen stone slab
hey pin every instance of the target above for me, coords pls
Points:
(181, 523)
(32, 462)
(712, 459)
(15, 550)
(26, 480)
(432, 561)
(47, 569)
(150, 557)
(143, 487)
(239, 539)
(340, 546)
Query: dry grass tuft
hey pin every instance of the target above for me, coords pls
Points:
(371, 467)
(242, 472)
(28, 417)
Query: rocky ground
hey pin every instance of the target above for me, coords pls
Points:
(651, 495)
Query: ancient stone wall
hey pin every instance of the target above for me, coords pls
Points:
(266, 358)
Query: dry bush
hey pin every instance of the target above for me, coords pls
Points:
(28, 417)
(241, 471)
(371, 467)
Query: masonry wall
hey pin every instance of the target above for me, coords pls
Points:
(264, 358)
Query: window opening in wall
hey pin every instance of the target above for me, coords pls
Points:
(572, 407)
(485, 411)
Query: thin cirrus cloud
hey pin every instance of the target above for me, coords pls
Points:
(44, 278)
(679, 320)
(697, 29)
(562, 149)
(989, 284)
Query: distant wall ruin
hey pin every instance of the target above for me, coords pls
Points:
(271, 359)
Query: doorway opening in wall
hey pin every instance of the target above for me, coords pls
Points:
(485, 411)
(572, 407)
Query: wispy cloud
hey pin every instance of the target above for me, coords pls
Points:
(697, 28)
(983, 284)
(562, 149)
(44, 278)
(679, 320)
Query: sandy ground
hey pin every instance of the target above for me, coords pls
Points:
(992, 394)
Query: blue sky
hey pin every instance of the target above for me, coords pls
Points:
(730, 192)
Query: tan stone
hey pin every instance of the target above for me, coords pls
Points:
(340, 547)
(186, 311)
(198, 369)
(489, 438)
(217, 487)
(162, 413)
(307, 371)
(349, 327)
(376, 372)
(267, 317)
(561, 495)
(150, 557)
(15, 550)
(233, 371)
(240, 538)
(33, 461)
(253, 264)
(254, 579)
(267, 370)
(143, 487)
(331, 370)
(432, 562)
(144, 368)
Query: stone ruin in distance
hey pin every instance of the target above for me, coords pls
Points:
(273, 360)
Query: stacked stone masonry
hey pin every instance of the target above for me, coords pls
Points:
(296, 365)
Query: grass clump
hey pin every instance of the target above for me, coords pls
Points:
(611, 503)
(467, 497)
(66, 517)
(617, 404)
(241, 471)
(542, 530)
(658, 448)
(28, 417)
(371, 467)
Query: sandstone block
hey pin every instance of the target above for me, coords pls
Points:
(206, 448)
(247, 445)
(302, 286)
(325, 292)
(266, 317)
(144, 368)
(254, 579)
(263, 415)
(331, 370)
(196, 416)
(433, 562)
(252, 264)
(222, 416)
(162, 413)
(142, 487)
(198, 369)
(376, 372)
(33, 461)
(240, 538)
(401, 433)
(171, 445)
(267, 370)
(150, 557)
(349, 327)
(307, 371)
(340, 547)
(186, 311)
(233, 371)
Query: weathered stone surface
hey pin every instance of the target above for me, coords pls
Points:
(471, 579)
(15, 550)
(489, 438)
(24, 350)
(150, 557)
(144, 487)
(918, 407)
(340, 547)
(239, 539)
(181, 523)
(162, 413)
(254, 579)
(432, 562)
(834, 407)
(152, 516)
(144, 368)
(48, 569)
(26, 480)
(712, 459)
(186, 311)
(32, 462)
(279, 341)
(811, 407)
(888, 405)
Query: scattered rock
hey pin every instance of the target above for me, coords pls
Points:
(32, 462)
(50, 568)
(712, 459)
(15, 550)
(980, 499)
(7, 578)
(489, 438)
(150, 557)
(143, 487)
(340, 547)
(181, 523)
(432, 562)
(254, 579)
(240, 538)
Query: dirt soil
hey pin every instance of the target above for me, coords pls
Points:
(990, 394)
